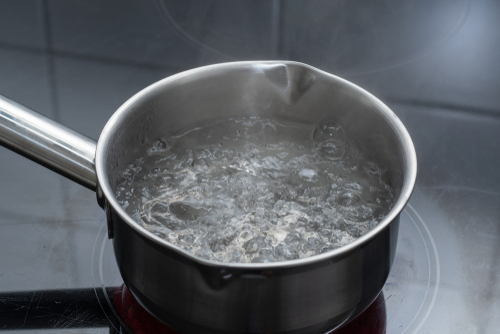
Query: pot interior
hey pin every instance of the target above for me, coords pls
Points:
(280, 90)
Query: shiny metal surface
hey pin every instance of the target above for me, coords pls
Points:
(47, 143)
(299, 296)
(309, 295)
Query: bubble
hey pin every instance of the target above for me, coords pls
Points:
(200, 163)
(348, 198)
(327, 249)
(167, 221)
(217, 247)
(293, 237)
(329, 130)
(235, 256)
(255, 244)
(353, 185)
(332, 149)
(185, 211)
(187, 239)
(160, 234)
(355, 231)
(308, 174)
(269, 129)
(219, 240)
(312, 226)
(373, 169)
(160, 208)
(267, 253)
(160, 145)
(287, 252)
(282, 155)
(331, 236)
(372, 224)
(313, 245)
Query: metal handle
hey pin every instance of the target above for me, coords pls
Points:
(48, 143)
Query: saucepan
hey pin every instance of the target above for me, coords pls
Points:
(309, 295)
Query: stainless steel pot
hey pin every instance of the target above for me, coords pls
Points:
(312, 295)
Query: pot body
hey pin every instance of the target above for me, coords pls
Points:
(300, 296)
(196, 298)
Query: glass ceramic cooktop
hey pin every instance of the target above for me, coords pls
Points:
(435, 63)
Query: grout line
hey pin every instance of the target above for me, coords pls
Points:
(94, 58)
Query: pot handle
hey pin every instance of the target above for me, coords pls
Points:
(48, 143)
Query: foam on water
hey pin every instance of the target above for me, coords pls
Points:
(256, 190)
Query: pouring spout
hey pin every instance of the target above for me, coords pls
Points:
(48, 143)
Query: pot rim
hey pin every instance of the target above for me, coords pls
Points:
(410, 172)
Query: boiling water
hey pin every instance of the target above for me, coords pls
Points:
(256, 190)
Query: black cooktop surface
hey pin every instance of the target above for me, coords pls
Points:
(435, 63)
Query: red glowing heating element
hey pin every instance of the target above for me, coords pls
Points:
(139, 321)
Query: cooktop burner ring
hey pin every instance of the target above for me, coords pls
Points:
(397, 289)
